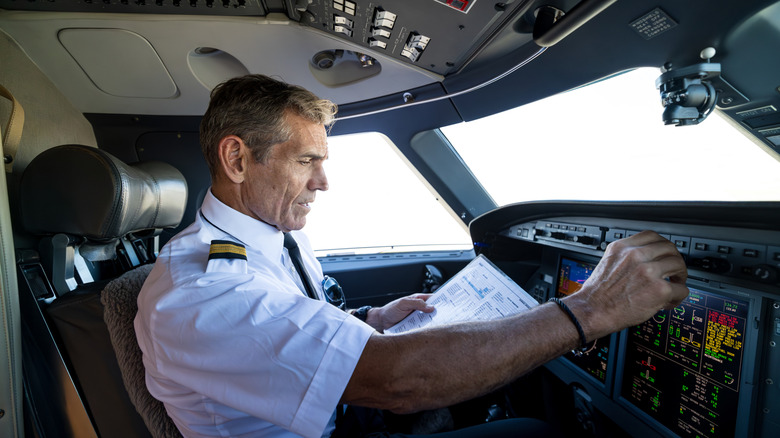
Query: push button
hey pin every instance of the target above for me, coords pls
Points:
(342, 20)
(381, 33)
(384, 19)
(750, 253)
(342, 29)
(376, 43)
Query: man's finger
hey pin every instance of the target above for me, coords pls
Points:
(672, 267)
(413, 303)
(423, 297)
(679, 292)
(420, 304)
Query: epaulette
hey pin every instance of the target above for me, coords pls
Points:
(225, 249)
(227, 256)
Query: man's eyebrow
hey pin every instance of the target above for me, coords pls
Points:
(314, 156)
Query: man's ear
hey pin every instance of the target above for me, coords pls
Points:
(233, 156)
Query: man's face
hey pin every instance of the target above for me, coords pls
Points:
(279, 190)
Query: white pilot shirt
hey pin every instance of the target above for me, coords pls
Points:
(235, 348)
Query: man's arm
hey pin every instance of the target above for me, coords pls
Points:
(441, 366)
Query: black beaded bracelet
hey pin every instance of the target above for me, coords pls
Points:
(583, 340)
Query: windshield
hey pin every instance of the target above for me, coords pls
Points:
(378, 204)
(606, 141)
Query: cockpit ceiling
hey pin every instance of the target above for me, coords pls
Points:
(203, 52)
(458, 29)
(162, 57)
(343, 50)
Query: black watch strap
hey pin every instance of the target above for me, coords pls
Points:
(362, 313)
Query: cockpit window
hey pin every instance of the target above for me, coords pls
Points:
(607, 141)
(377, 203)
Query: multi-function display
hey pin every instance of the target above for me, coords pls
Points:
(683, 366)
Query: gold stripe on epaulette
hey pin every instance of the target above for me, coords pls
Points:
(225, 249)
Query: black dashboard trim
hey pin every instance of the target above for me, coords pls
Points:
(755, 215)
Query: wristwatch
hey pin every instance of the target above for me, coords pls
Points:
(362, 313)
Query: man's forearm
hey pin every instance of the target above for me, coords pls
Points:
(441, 366)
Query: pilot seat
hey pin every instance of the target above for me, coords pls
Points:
(94, 224)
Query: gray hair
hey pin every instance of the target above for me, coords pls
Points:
(253, 107)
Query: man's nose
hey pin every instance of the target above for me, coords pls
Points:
(319, 180)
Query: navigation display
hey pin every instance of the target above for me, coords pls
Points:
(683, 366)
(572, 275)
(595, 361)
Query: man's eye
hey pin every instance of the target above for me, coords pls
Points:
(304, 162)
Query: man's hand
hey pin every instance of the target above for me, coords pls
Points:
(636, 278)
(390, 314)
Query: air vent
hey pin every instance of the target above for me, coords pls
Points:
(212, 66)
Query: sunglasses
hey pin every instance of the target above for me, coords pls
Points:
(333, 292)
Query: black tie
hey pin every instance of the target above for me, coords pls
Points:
(295, 257)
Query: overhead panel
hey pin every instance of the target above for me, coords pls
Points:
(437, 35)
(179, 7)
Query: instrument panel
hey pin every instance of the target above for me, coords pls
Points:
(706, 368)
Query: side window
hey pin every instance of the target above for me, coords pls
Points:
(377, 203)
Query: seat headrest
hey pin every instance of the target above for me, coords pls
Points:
(84, 191)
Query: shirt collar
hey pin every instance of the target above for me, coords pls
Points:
(253, 233)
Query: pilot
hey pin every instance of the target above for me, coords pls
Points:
(237, 333)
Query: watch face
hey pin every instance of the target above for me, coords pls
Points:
(362, 313)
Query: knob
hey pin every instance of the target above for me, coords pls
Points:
(585, 240)
(324, 60)
(301, 5)
(764, 273)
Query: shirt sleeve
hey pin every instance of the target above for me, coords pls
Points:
(253, 345)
